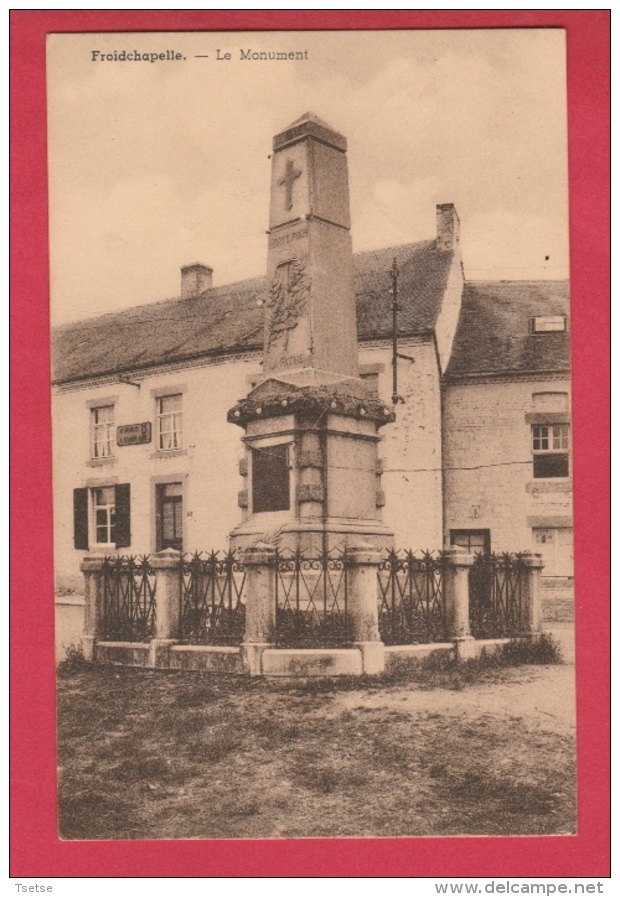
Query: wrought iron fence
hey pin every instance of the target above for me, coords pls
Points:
(129, 587)
(212, 600)
(312, 600)
(412, 607)
(497, 595)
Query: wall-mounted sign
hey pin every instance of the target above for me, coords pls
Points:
(133, 434)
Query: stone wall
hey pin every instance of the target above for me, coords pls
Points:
(489, 482)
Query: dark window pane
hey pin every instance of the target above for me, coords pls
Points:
(170, 516)
(372, 382)
(168, 521)
(270, 479)
(178, 520)
(547, 466)
(474, 540)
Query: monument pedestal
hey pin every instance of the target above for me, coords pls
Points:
(312, 474)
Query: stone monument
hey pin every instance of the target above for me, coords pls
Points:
(312, 476)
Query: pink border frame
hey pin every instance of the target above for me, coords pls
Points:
(36, 849)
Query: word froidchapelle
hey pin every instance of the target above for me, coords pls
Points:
(134, 56)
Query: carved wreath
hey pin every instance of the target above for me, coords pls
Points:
(288, 295)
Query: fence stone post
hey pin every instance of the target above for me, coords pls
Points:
(92, 630)
(167, 567)
(362, 565)
(458, 563)
(259, 562)
(532, 611)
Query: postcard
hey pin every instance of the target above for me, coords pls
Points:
(313, 445)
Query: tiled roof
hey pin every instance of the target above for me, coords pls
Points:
(494, 334)
(229, 319)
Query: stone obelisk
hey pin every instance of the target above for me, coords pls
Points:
(312, 478)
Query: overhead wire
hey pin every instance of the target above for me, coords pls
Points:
(272, 450)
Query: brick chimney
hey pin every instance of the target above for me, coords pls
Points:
(195, 279)
(448, 227)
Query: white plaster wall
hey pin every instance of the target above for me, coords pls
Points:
(447, 322)
(411, 447)
(485, 429)
(68, 625)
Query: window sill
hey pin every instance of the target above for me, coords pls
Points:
(549, 485)
(170, 453)
(101, 462)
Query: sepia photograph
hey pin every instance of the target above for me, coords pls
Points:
(312, 443)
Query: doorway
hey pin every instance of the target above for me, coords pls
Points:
(555, 544)
(170, 516)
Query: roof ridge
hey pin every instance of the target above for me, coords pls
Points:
(157, 302)
(235, 284)
(400, 246)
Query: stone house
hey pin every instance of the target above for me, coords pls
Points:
(479, 454)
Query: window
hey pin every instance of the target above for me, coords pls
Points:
(170, 516)
(101, 516)
(102, 431)
(170, 422)
(371, 380)
(270, 479)
(370, 374)
(474, 540)
(550, 448)
(104, 513)
(548, 323)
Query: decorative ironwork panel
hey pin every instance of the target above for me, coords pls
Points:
(212, 599)
(412, 608)
(497, 595)
(129, 587)
(312, 600)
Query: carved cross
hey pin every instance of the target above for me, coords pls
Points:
(288, 180)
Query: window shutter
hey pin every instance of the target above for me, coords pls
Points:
(122, 526)
(80, 519)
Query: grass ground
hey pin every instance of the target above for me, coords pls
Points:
(146, 754)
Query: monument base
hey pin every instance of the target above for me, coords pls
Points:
(312, 476)
(313, 537)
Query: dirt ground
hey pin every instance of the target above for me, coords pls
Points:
(146, 754)
(541, 697)
(539, 700)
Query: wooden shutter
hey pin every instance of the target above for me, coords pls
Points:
(80, 519)
(122, 526)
